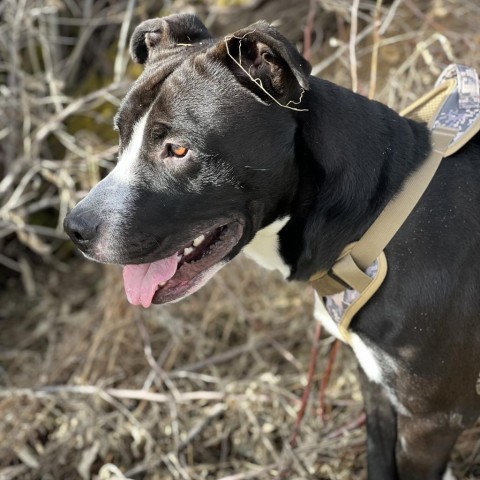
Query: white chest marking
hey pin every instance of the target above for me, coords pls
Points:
(448, 475)
(367, 358)
(376, 364)
(264, 248)
(321, 315)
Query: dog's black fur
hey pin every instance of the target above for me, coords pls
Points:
(331, 168)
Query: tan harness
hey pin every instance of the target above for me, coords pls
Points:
(452, 111)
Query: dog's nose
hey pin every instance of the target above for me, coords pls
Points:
(81, 229)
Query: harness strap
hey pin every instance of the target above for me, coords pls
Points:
(387, 224)
(349, 270)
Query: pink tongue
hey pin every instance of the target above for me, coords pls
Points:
(141, 281)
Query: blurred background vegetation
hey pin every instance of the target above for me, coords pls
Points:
(92, 388)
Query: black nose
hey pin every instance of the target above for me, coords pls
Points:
(82, 229)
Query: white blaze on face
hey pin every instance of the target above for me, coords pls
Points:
(123, 172)
(114, 196)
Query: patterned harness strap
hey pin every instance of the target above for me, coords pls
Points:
(461, 109)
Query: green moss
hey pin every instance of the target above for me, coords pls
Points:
(47, 218)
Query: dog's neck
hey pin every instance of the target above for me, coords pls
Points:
(353, 155)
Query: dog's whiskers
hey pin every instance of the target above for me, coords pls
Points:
(257, 169)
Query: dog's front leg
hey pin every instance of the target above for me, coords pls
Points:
(381, 431)
(423, 447)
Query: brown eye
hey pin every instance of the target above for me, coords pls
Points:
(178, 150)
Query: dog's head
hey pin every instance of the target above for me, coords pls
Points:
(206, 156)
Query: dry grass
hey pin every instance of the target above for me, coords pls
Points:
(208, 388)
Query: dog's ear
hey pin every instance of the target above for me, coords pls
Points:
(264, 60)
(164, 33)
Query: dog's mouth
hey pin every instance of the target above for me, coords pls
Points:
(174, 277)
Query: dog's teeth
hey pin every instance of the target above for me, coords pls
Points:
(198, 240)
(187, 251)
(162, 284)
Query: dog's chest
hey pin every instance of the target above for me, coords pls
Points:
(264, 249)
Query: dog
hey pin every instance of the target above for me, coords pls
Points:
(229, 145)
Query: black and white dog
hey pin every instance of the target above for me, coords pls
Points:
(229, 145)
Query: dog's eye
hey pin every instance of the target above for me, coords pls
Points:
(177, 150)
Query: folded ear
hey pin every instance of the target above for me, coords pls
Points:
(167, 32)
(265, 61)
